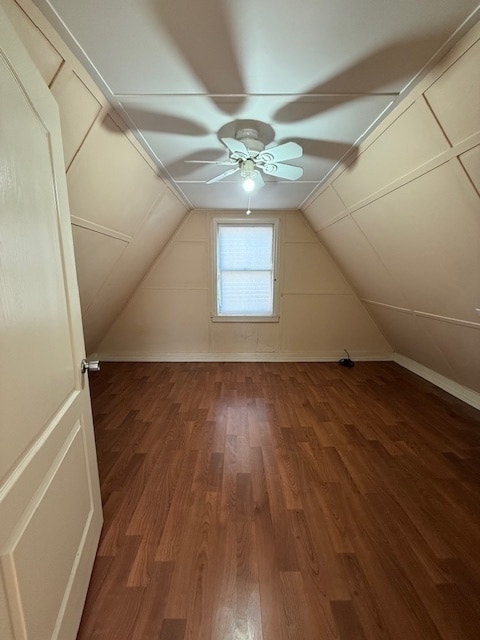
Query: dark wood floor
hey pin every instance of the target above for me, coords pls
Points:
(284, 502)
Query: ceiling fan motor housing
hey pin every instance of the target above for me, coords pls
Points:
(249, 137)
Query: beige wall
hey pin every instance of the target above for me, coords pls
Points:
(403, 220)
(169, 315)
(122, 212)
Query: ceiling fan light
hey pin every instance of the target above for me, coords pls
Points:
(248, 184)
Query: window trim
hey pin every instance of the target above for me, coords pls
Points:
(236, 222)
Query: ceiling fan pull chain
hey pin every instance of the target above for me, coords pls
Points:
(249, 211)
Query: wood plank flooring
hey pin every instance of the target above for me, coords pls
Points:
(284, 501)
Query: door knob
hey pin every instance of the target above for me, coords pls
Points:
(92, 365)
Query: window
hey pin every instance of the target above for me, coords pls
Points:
(245, 271)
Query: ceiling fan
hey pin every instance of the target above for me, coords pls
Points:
(247, 154)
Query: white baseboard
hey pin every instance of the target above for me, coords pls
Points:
(330, 356)
(453, 388)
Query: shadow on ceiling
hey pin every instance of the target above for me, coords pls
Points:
(394, 62)
(204, 41)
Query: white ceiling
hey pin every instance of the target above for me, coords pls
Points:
(318, 72)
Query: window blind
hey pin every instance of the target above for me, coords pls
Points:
(245, 270)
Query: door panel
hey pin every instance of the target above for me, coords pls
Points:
(48, 544)
(36, 342)
(50, 511)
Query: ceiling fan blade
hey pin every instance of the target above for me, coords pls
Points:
(224, 163)
(237, 147)
(223, 175)
(287, 171)
(286, 151)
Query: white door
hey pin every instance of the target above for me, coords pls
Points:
(50, 510)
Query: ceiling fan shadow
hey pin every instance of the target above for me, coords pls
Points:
(340, 152)
(351, 158)
(305, 107)
(156, 121)
(395, 62)
(114, 121)
(208, 52)
(322, 148)
(229, 105)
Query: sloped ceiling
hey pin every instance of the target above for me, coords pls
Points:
(319, 73)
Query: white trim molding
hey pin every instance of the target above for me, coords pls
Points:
(327, 356)
(453, 388)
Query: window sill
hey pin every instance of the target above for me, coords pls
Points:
(245, 318)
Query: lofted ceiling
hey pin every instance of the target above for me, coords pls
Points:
(322, 73)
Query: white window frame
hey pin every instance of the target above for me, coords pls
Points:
(237, 222)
